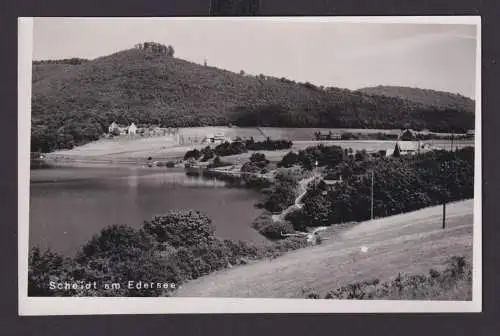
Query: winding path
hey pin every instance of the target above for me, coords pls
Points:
(297, 205)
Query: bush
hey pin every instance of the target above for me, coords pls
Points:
(289, 160)
(118, 240)
(283, 191)
(217, 162)
(186, 228)
(192, 154)
(230, 148)
(271, 229)
(46, 267)
(255, 182)
(207, 153)
(454, 283)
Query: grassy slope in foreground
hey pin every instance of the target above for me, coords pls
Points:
(410, 243)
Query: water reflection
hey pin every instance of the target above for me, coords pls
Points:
(67, 213)
(178, 178)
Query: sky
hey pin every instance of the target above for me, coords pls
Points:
(340, 54)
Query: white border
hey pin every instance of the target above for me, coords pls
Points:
(99, 306)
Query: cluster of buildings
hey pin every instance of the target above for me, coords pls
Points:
(133, 129)
(328, 136)
(114, 128)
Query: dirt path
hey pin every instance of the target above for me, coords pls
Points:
(410, 243)
(297, 205)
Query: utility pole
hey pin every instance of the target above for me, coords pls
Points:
(372, 198)
(315, 173)
(444, 214)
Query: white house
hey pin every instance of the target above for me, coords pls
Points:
(132, 129)
(112, 127)
(218, 138)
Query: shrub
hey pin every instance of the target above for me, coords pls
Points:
(207, 153)
(192, 154)
(250, 167)
(454, 283)
(289, 160)
(185, 228)
(44, 267)
(119, 240)
(217, 162)
(271, 229)
(230, 148)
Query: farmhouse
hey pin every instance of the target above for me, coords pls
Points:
(132, 129)
(218, 138)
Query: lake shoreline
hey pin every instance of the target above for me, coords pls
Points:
(70, 204)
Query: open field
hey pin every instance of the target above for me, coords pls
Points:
(368, 145)
(137, 150)
(260, 133)
(410, 243)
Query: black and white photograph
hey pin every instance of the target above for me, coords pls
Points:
(266, 164)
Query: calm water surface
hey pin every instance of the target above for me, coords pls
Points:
(69, 205)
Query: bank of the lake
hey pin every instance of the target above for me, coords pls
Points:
(69, 204)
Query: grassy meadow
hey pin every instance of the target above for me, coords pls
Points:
(410, 243)
(137, 149)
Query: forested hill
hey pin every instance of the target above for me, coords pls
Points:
(74, 103)
(424, 96)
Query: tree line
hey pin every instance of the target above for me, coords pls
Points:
(156, 48)
(236, 147)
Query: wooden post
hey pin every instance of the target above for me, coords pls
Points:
(444, 214)
(372, 198)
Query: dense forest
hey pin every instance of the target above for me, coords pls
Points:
(423, 96)
(73, 102)
(401, 184)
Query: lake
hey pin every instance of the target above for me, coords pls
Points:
(68, 205)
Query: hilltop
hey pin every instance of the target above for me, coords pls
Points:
(74, 102)
(439, 99)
